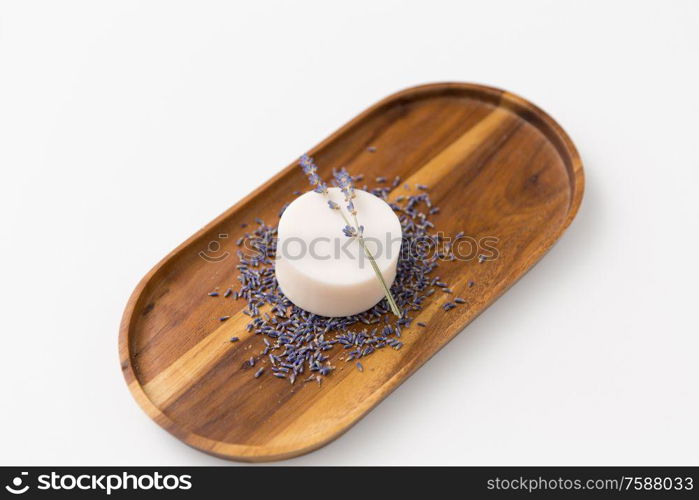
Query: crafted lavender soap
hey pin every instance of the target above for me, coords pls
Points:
(324, 272)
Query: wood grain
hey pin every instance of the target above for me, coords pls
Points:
(496, 165)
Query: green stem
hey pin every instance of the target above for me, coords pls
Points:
(379, 276)
(386, 291)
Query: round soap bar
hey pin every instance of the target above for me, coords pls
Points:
(323, 271)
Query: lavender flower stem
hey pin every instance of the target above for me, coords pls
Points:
(375, 267)
(386, 291)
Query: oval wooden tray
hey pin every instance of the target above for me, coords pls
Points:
(496, 165)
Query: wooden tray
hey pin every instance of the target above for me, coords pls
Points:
(496, 165)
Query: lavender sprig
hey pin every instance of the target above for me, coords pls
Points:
(344, 182)
(310, 169)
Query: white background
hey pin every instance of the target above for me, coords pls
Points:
(126, 126)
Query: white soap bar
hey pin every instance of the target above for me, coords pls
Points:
(321, 270)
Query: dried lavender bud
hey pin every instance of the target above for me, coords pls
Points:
(349, 231)
(311, 171)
